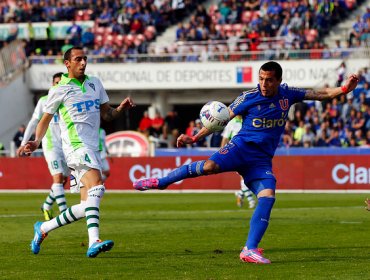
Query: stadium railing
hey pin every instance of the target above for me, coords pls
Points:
(282, 54)
(12, 61)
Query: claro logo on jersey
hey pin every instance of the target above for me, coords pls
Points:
(87, 105)
(350, 174)
(270, 123)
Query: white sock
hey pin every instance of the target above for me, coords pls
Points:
(58, 191)
(72, 214)
(94, 195)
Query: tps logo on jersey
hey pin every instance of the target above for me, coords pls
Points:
(87, 105)
(284, 104)
(243, 75)
(92, 86)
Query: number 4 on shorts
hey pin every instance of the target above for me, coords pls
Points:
(87, 158)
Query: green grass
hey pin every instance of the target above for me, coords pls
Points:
(191, 236)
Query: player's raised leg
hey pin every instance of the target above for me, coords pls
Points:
(41, 230)
(192, 170)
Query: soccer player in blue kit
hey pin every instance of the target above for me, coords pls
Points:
(264, 110)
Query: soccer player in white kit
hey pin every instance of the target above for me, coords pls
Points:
(53, 153)
(232, 128)
(80, 101)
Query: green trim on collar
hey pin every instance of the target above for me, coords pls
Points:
(66, 80)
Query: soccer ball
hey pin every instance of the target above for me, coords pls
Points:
(214, 115)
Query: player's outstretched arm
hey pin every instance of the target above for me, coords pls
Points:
(184, 139)
(41, 129)
(109, 113)
(330, 93)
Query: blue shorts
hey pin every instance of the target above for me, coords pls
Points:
(246, 159)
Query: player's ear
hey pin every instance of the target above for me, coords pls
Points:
(67, 63)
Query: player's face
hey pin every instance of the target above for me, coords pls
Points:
(56, 81)
(269, 84)
(77, 64)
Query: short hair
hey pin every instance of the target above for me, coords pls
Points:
(273, 66)
(57, 75)
(68, 53)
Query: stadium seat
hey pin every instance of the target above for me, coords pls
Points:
(119, 40)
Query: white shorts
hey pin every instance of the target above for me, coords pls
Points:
(105, 164)
(81, 161)
(56, 162)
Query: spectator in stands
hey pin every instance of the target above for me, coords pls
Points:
(156, 129)
(13, 31)
(341, 72)
(18, 137)
(357, 29)
(334, 140)
(74, 34)
(87, 38)
(196, 129)
(67, 45)
(171, 127)
(298, 134)
(189, 129)
(105, 18)
(145, 123)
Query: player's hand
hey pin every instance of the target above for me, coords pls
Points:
(30, 147)
(20, 151)
(184, 139)
(128, 103)
(351, 83)
(367, 201)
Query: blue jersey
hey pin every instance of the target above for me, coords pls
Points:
(264, 117)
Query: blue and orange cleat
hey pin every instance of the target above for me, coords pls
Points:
(253, 256)
(38, 238)
(99, 246)
(146, 184)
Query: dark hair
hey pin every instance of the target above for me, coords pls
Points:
(57, 75)
(67, 54)
(273, 66)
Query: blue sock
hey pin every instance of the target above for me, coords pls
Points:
(191, 170)
(259, 221)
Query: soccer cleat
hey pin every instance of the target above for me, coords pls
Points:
(48, 214)
(146, 184)
(253, 256)
(38, 238)
(239, 200)
(99, 246)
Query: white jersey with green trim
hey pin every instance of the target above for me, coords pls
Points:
(232, 128)
(52, 139)
(79, 110)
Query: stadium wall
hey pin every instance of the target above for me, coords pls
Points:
(16, 107)
(293, 173)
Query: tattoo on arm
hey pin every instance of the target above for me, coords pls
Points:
(315, 95)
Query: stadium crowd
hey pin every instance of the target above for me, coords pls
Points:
(221, 33)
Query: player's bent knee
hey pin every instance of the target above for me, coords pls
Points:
(266, 193)
(210, 167)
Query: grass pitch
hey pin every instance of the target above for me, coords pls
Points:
(191, 236)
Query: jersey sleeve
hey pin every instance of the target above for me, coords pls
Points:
(239, 105)
(297, 94)
(55, 98)
(39, 110)
(102, 93)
